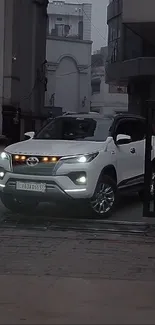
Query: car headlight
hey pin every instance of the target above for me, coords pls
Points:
(2, 172)
(80, 158)
(4, 156)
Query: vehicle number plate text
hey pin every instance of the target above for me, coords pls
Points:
(29, 186)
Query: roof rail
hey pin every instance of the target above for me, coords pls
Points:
(94, 112)
(79, 113)
(69, 113)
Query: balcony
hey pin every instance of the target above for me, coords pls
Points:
(138, 11)
(59, 27)
(132, 49)
(121, 72)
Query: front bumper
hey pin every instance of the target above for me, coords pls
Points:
(57, 187)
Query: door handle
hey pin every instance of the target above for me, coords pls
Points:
(132, 150)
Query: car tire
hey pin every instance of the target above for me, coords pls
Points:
(152, 189)
(103, 202)
(16, 205)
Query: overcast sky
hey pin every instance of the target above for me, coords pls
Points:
(99, 15)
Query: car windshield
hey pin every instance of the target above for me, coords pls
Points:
(75, 128)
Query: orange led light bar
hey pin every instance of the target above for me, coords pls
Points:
(45, 159)
(53, 159)
(50, 159)
(17, 157)
(23, 157)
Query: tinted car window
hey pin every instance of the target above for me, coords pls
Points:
(74, 128)
(134, 128)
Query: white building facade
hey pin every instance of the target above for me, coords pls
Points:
(106, 99)
(68, 54)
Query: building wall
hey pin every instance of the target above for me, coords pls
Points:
(105, 98)
(131, 34)
(105, 101)
(87, 10)
(68, 73)
(131, 59)
(24, 55)
(2, 7)
(138, 11)
(67, 87)
(60, 12)
(8, 50)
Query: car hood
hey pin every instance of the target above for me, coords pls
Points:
(54, 147)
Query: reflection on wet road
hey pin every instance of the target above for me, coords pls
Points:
(47, 216)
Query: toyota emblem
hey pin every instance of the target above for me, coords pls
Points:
(32, 161)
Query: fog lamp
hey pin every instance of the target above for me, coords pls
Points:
(81, 180)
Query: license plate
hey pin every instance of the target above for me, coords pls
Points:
(34, 187)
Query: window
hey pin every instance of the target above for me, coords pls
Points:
(114, 34)
(133, 128)
(132, 44)
(117, 89)
(95, 86)
(80, 29)
(113, 29)
(135, 46)
(60, 30)
(76, 129)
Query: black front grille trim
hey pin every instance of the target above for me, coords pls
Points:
(40, 158)
(36, 170)
(41, 169)
(14, 180)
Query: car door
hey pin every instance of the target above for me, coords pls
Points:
(130, 156)
(138, 141)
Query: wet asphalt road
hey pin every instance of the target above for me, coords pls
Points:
(129, 209)
(54, 277)
(75, 277)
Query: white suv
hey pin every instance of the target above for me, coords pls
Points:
(84, 157)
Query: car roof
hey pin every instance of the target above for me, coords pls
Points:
(88, 115)
(128, 115)
(95, 115)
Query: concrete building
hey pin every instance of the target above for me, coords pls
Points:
(2, 26)
(106, 99)
(68, 54)
(22, 65)
(131, 58)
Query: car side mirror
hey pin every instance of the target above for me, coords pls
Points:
(123, 139)
(29, 135)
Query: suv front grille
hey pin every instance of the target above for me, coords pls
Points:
(43, 167)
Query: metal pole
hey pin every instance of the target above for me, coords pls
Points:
(153, 132)
(154, 197)
(148, 165)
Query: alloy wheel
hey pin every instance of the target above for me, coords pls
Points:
(103, 200)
